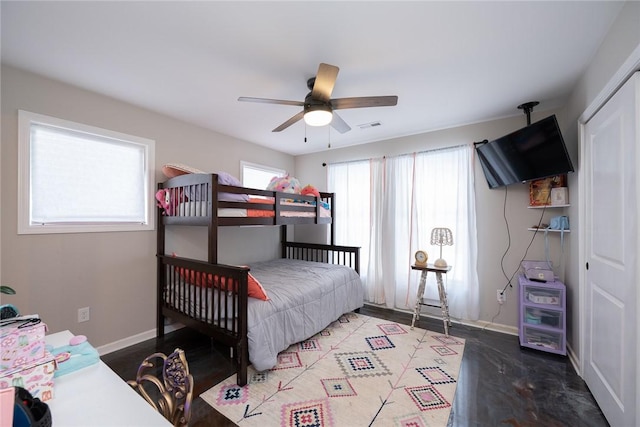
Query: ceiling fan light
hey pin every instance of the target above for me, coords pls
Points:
(319, 116)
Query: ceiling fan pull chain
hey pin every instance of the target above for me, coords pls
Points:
(329, 138)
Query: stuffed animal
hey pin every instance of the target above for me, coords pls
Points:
(310, 190)
(284, 184)
(163, 197)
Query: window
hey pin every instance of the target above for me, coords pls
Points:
(388, 207)
(78, 178)
(258, 176)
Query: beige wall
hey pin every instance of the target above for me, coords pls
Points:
(112, 273)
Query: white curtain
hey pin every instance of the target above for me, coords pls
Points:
(376, 230)
(406, 197)
(352, 200)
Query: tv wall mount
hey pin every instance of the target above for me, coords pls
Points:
(528, 108)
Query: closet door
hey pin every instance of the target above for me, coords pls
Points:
(611, 244)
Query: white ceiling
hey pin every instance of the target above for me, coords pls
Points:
(449, 63)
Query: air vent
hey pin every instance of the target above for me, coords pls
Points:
(370, 125)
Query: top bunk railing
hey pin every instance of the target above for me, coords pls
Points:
(198, 199)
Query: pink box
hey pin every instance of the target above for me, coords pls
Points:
(36, 377)
(21, 343)
(7, 400)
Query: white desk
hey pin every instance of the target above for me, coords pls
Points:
(97, 396)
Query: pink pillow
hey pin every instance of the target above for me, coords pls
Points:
(199, 279)
(256, 290)
(171, 170)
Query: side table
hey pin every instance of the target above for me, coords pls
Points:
(444, 305)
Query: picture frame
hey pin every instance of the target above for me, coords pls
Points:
(540, 189)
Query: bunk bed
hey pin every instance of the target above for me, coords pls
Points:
(293, 297)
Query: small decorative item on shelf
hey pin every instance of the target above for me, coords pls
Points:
(421, 258)
(559, 196)
(441, 236)
(540, 190)
(559, 223)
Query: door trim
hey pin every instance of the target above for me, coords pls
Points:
(628, 67)
(626, 70)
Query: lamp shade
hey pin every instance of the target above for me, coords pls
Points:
(318, 115)
(441, 236)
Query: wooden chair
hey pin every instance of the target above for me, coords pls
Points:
(167, 386)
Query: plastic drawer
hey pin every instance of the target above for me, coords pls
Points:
(542, 339)
(543, 317)
(544, 296)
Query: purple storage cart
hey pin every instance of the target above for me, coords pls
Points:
(542, 316)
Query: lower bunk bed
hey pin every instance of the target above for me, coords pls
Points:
(292, 299)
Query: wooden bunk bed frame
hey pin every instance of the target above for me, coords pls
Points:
(175, 292)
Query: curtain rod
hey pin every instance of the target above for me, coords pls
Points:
(324, 164)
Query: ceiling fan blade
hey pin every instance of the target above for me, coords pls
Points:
(325, 81)
(289, 122)
(271, 101)
(339, 124)
(364, 101)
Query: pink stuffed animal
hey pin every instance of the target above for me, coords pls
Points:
(284, 184)
(310, 190)
(164, 201)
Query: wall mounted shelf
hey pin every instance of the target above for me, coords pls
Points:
(548, 206)
(542, 230)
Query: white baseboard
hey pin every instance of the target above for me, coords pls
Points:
(135, 339)
(150, 334)
(573, 358)
(497, 327)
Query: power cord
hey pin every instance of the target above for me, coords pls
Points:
(493, 318)
(506, 222)
(537, 228)
(504, 273)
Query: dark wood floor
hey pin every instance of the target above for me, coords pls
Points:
(499, 383)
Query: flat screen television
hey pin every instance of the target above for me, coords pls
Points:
(533, 152)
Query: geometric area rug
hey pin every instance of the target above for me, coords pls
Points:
(359, 371)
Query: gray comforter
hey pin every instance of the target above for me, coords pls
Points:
(304, 298)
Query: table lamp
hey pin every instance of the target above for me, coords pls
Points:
(441, 236)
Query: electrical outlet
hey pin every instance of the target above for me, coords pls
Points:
(502, 296)
(84, 314)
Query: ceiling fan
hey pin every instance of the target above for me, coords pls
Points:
(318, 107)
